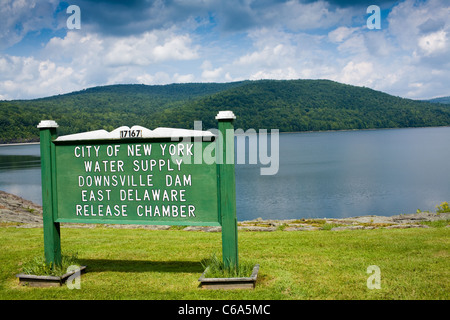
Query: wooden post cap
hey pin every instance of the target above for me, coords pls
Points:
(46, 124)
(225, 115)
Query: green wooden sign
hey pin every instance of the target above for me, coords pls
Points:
(139, 176)
(139, 183)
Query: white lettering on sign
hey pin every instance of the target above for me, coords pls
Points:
(85, 151)
(101, 210)
(113, 177)
(182, 211)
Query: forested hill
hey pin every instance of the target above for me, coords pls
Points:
(440, 100)
(287, 105)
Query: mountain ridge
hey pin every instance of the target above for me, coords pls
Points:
(287, 105)
(443, 100)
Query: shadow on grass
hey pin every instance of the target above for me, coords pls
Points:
(101, 265)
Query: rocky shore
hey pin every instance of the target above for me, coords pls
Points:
(18, 212)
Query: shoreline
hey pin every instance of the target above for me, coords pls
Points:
(21, 213)
(17, 144)
(280, 132)
(369, 129)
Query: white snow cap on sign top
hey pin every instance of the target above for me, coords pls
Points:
(143, 133)
(47, 124)
(223, 115)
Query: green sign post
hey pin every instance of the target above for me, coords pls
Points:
(227, 189)
(139, 176)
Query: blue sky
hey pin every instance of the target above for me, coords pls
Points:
(161, 42)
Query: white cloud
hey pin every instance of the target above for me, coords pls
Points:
(157, 78)
(380, 45)
(434, 42)
(316, 14)
(18, 17)
(278, 54)
(270, 55)
(183, 78)
(410, 20)
(212, 75)
(358, 73)
(277, 40)
(209, 73)
(143, 50)
(28, 77)
(354, 45)
(340, 34)
(81, 60)
(403, 58)
(287, 73)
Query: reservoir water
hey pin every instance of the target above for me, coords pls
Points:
(321, 174)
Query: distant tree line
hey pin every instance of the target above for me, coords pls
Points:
(287, 105)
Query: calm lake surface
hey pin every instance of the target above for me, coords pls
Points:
(321, 174)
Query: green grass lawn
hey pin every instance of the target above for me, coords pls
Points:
(144, 264)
